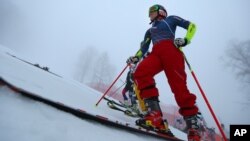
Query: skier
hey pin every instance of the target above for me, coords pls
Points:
(129, 87)
(165, 56)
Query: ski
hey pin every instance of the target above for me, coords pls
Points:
(150, 128)
(114, 102)
(112, 105)
(125, 111)
(120, 107)
(122, 103)
(131, 108)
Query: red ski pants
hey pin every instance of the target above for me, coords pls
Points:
(165, 56)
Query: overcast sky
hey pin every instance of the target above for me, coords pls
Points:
(53, 33)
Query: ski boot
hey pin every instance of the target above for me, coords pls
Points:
(193, 128)
(153, 119)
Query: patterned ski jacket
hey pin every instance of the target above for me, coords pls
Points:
(165, 30)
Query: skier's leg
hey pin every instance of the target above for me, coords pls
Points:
(124, 94)
(125, 98)
(185, 100)
(144, 74)
(144, 80)
(174, 68)
(134, 107)
(132, 97)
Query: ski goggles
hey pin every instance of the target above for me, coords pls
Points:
(153, 9)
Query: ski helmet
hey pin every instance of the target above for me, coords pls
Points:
(157, 8)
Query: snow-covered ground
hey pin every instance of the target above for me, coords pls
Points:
(25, 119)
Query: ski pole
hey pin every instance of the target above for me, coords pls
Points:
(204, 96)
(111, 85)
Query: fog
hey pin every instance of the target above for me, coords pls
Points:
(54, 33)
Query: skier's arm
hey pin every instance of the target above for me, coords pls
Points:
(190, 32)
(144, 45)
(191, 29)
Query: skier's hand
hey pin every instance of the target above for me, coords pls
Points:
(180, 42)
(132, 60)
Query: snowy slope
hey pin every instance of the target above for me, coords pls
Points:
(28, 120)
(58, 89)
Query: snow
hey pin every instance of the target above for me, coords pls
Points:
(25, 119)
(28, 120)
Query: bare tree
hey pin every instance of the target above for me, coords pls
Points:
(238, 56)
(239, 59)
(85, 65)
(103, 71)
(94, 68)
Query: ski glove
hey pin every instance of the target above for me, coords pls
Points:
(132, 60)
(180, 42)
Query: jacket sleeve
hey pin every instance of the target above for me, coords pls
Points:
(191, 27)
(190, 32)
(144, 45)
